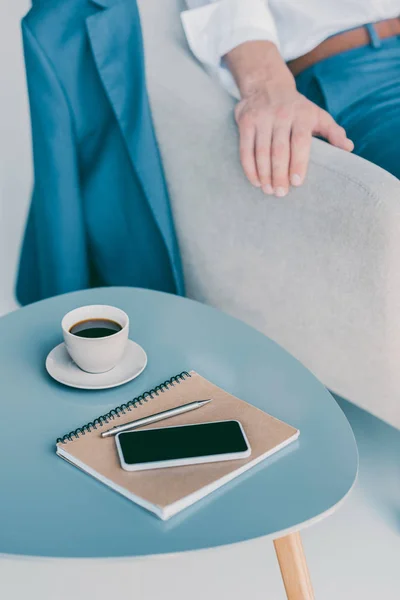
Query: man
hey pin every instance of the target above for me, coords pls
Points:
(304, 68)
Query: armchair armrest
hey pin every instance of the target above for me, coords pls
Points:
(318, 271)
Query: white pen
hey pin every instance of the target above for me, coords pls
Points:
(165, 414)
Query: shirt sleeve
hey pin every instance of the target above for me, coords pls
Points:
(214, 27)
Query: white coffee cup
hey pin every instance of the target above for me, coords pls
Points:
(96, 355)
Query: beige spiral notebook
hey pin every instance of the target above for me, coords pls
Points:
(167, 491)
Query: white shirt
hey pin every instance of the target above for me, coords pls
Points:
(214, 27)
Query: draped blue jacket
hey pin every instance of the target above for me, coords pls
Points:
(100, 212)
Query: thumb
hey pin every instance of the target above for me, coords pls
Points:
(327, 127)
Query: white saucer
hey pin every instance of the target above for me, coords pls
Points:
(62, 368)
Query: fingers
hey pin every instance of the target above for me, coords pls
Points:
(300, 146)
(330, 130)
(280, 157)
(263, 157)
(275, 142)
(276, 158)
(247, 132)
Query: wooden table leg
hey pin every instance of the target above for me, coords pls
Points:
(293, 565)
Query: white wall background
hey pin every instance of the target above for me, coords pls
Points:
(15, 147)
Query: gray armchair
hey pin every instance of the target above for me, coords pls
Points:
(317, 271)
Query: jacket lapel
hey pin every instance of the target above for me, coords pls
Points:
(116, 40)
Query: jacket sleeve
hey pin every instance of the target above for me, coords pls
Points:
(214, 27)
(54, 258)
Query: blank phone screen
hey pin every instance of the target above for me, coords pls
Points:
(189, 441)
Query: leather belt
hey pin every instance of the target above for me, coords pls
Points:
(347, 40)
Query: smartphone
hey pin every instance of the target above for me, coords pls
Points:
(183, 445)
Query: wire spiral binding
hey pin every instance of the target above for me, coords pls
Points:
(121, 410)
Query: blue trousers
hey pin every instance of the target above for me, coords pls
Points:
(360, 88)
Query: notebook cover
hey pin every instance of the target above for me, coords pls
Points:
(164, 487)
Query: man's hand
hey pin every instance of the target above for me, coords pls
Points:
(276, 123)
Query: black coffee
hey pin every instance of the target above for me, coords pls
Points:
(95, 328)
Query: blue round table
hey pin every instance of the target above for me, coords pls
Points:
(51, 509)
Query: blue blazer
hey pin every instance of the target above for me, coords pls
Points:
(100, 212)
